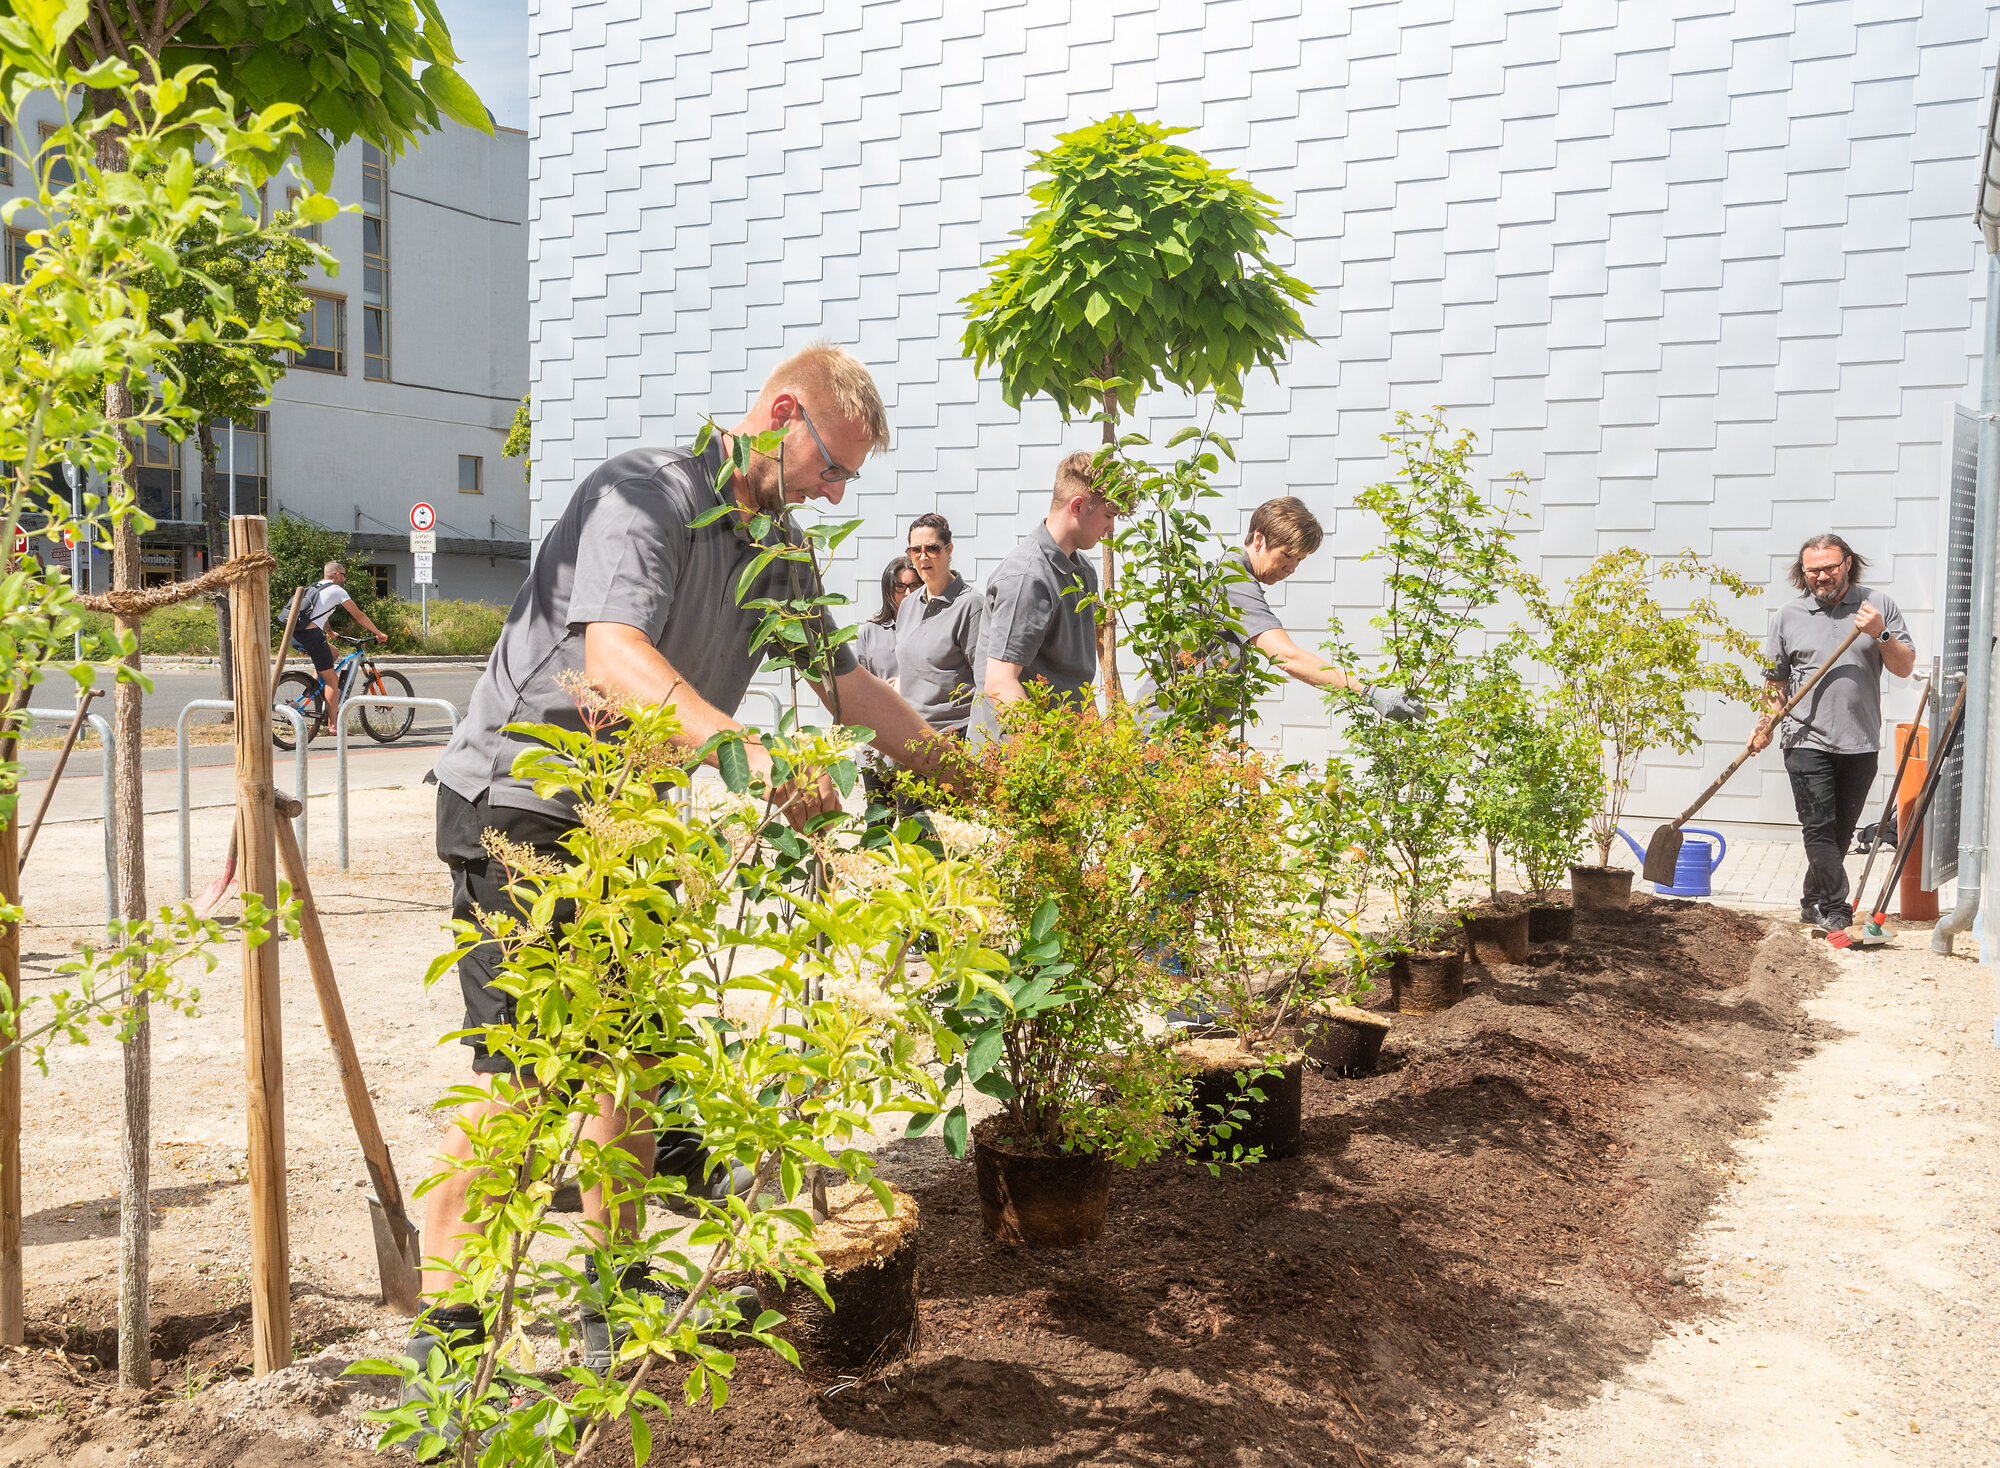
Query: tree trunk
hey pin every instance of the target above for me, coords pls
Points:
(135, 1210)
(215, 529)
(1107, 622)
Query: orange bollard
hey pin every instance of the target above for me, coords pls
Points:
(1914, 902)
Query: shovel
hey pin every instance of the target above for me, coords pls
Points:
(1889, 806)
(1874, 932)
(1663, 852)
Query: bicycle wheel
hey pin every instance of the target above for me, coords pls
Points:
(385, 726)
(304, 692)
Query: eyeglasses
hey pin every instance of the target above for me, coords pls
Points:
(833, 473)
(908, 585)
(1820, 573)
(913, 551)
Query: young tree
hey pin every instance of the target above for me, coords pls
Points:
(1448, 554)
(229, 379)
(1627, 670)
(520, 438)
(1145, 265)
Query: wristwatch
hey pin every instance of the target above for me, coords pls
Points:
(1883, 635)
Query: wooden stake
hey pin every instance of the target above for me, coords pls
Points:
(56, 774)
(398, 1266)
(263, 1041)
(13, 1311)
(128, 802)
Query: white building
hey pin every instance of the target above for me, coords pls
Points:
(1704, 269)
(416, 360)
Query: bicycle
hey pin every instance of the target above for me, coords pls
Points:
(303, 691)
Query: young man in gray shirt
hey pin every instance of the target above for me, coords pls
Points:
(1040, 624)
(1283, 532)
(1833, 740)
(626, 593)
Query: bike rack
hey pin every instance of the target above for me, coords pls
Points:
(371, 700)
(299, 786)
(107, 750)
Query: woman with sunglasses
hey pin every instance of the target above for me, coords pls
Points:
(937, 632)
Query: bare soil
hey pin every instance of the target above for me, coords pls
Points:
(1488, 1225)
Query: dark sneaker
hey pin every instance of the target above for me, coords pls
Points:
(602, 1341)
(433, 1386)
(1809, 912)
(1832, 920)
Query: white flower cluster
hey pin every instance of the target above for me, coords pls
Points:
(857, 991)
(962, 838)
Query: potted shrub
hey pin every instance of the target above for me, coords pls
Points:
(1447, 555)
(1062, 1044)
(1625, 674)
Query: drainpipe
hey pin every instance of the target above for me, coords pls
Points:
(1985, 524)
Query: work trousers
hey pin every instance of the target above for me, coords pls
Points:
(1830, 792)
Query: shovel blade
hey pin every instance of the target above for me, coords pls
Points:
(1663, 856)
(401, 1286)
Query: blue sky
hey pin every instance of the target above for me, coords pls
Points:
(491, 37)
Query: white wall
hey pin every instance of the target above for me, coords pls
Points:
(1704, 271)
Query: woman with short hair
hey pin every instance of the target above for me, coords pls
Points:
(937, 631)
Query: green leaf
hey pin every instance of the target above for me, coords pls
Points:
(954, 1132)
(642, 1440)
(984, 1051)
(1044, 921)
(455, 98)
(733, 761)
(316, 158)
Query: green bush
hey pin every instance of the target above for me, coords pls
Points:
(186, 630)
(458, 628)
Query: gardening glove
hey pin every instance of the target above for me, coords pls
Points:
(1394, 705)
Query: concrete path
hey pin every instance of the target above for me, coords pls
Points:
(1850, 1263)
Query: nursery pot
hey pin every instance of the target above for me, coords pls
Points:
(1270, 1119)
(1045, 1200)
(1601, 889)
(870, 1263)
(1347, 1042)
(1499, 935)
(1551, 922)
(1429, 982)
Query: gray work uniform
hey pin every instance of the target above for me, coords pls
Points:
(1252, 611)
(1036, 619)
(875, 644)
(937, 643)
(1843, 714)
(622, 552)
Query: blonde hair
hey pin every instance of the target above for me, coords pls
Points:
(831, 378)
(1287, 524)
(1075, 476)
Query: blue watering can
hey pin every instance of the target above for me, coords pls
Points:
(1696, 866)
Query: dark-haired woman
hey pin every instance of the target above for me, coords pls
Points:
(875, 648)
(937, 632)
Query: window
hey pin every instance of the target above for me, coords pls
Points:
(469, 467)
(253, 465)
(19, 253)
(303, 231)
(374, 263)
(322, 334)
(383, 579)
(6, 154)
(159, 465)
(61, 175)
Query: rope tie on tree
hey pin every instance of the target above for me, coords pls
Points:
(132, 605)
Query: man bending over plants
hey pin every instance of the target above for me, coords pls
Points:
(637, 593)
(1283, 532)
(1040, 625)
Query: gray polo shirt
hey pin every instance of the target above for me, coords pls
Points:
(622, 552)
(937, 642)
(875, 643)
(1843, 714)
(1035, 617)
(1251, 608)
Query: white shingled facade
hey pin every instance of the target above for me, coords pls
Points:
(1704, 271)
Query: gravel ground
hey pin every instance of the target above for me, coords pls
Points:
(1849, 1262)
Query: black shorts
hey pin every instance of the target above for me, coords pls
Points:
(312, 642)
(478, 882)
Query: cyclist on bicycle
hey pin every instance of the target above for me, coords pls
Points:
(323, 598)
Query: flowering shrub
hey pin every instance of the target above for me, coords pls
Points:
(714, 971)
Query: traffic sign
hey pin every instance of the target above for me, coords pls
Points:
(423, 517)
(423, 542)
(422, 575)
(69, 538)
(20, 542)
